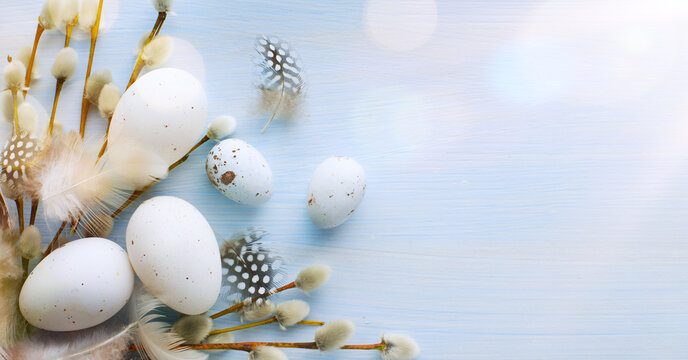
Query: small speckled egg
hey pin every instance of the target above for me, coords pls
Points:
(175, 254)
(336, 188)
(240, 172)
(164, 111)
(77, 286)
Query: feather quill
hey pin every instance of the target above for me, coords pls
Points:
(281, 82)
(244, 258)
(154, 340)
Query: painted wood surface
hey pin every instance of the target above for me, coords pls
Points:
(526, 163)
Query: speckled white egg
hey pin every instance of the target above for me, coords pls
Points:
(336, 188)
(77, 286)
(240, 172)
(175, 254)
(164, 111)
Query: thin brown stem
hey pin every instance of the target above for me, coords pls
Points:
(58, 89)
(107, 132)
(25, 266)
(139, 59)
(54, 241)
(84, 101)
(237, 307)
(29, 68)
(250, 346)
(379, 346)
(20, 212)
(68, 31)
(15, 129)
(138, 193)
(34, 211)
(262, 322)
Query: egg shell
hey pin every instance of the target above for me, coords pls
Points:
(164, 111)
(336, 188)
(77, 286)
(240, 172)
(175, 254)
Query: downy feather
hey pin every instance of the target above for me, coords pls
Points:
(100, 344)
(153, 339)
(281, 82)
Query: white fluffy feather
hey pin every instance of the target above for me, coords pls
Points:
(65, 64)
(312, 277)
(334, 334)
(290, 312)
(69, 183)
(100, 344)
(399, 347)
(157, 51)
(154, 341)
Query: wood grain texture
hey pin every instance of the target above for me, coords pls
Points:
(527, 192)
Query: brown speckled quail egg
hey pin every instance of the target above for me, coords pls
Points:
(240, 172)
(77, 286)
(336, 188)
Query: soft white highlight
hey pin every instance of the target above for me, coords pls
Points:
(108, 100)
(221, 127)
(30, 242)
(65, 64)
(27, 117)
(267, 353)
(87, 14)
(290, 312)
(95, 84)
(63, 12)
(312, 277)
(157, 51)
(193, 328)
(257, 311)
(134, 166)
(334, 334)
(399, 347)
(24, 55)
(14, 74)
(7, 105)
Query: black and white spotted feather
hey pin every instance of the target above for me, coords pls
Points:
(281, 80)
(249, 269)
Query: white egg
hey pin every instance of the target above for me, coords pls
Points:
(164, 111)
(336, 188)
(77, 286)
(240, 172)
(175, 254)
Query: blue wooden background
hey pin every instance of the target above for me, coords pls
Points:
(526, 163)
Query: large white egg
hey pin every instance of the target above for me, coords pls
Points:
(240, 172)
(164, 111)
(175, 254)
(336, 188)
(77, 286)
